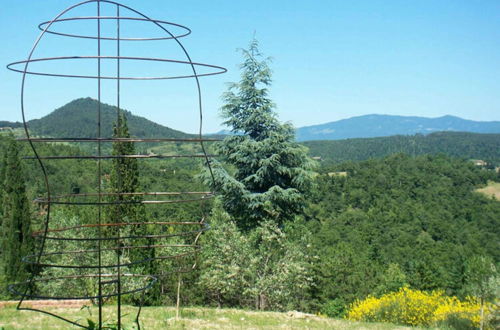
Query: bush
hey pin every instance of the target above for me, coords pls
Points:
(418, 308)
(334, 308)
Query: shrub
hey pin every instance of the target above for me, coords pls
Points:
(334, 308)
(418, 308)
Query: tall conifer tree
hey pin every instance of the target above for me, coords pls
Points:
(124, 177)
(16, 239)
(272, 172)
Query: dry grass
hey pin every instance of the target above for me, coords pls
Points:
(190, 318)
(492, 190)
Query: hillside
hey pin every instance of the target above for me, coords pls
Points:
(456, 144)
(10, 124)
(386, 125)
(79, 119)
(421, 213)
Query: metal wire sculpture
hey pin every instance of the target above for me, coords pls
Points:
(100, 274)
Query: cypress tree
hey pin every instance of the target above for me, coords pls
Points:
(272, 172)
(124, 177)
(16, 239)
(124, 181)
(3, 165)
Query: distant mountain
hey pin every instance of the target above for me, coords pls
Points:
(387, 125)
(79, 119)
(455, 144)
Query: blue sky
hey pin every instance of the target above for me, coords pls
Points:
(331, 59)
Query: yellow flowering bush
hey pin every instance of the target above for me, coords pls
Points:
(415, 308)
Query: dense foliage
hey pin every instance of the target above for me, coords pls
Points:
(420, 213)
(16, 240)
(455, 144)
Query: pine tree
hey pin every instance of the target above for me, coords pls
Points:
(16, 239)
(272, 173)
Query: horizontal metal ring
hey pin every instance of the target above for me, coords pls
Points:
(132, 263)
(41, 26)
(118, 157)
(121, 224)
(219, 69)
(118, 140)
(116, 238)
(13, 287)
(146, 202)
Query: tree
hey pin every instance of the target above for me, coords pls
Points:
(225, 261)
(482, 279)
(127, 207)
(124, 177)
(392, 280)
(266, 268)
(271, 173)
(3, 166)
(16, 239)
(281, 268)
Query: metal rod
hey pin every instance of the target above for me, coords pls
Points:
(118, 242)
(119, 156)
(99, 154)
(219, 70)
(117, 140)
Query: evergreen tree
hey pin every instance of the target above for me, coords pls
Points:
(123, 183)
(124, 177)
(16, 239)
(271, 171)
(3, 166)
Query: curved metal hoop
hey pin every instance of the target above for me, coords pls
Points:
(187, 31)
(220, 70)
(60, 200)
(12, 287)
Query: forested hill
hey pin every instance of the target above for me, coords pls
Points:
(10, 124)
(386, 125)
(78, 119)
(455, 144)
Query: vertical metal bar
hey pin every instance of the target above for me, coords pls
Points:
(99, 161)
(119, 285)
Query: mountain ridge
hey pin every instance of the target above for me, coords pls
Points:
(378, 125)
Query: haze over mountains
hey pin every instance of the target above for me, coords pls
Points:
(77, 119)
(387, 125)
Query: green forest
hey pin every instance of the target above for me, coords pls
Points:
(287, 232)
(456, 144)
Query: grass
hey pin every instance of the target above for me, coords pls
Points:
(190, 318)
(491, 190)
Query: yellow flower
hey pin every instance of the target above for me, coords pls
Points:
(415, 308)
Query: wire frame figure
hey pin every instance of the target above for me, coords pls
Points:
(87, 273)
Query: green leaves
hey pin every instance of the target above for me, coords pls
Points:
(270, 173)
(16, 241)
(263, 268)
